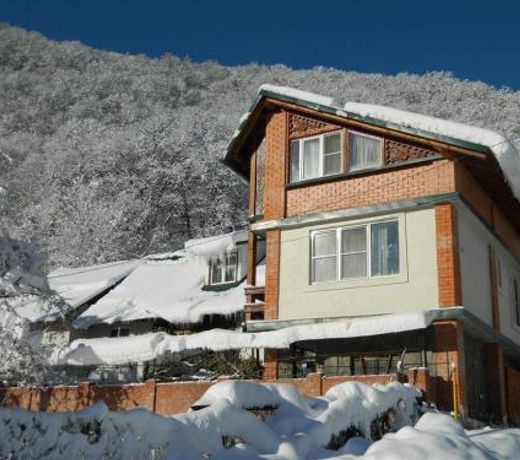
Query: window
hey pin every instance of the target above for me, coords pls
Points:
(515, 299)
(223, 268)
(363, 251)
(315, 156)
(120, 332)
(364, 151)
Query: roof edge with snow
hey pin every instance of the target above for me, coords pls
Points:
(463, 136)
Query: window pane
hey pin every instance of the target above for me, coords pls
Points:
(230, 273)
(354, 265)
(216, 271)
(365, 152)
(332, 163)
(333, 143)
(311, 158)
(353, 240)
(324, 269)
(295, 161)
(324, 244)
(385, 249)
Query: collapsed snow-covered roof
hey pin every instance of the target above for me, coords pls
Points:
(167, 289)
(170, 287)
(464, 137)
(76, 286)
(215, 245)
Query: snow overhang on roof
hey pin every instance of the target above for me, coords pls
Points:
(455, 134)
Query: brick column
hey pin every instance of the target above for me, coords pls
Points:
(272, 273)
(270, 364)
(495, 379)
(448, 264)
(150, 395)
(84, 394)
(448, 352)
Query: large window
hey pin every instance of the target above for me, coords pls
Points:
(362, 251)
(223, 268)
(364, 151)
(315, 156)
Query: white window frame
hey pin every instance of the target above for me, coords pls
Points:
(381, 150)
(339, 253)
(513, 277)
(322, 154)
(223, 269)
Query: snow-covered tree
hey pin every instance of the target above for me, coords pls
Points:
(22, 277)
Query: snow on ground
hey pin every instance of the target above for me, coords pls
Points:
(503, 148)
(167, 289)
(145, 347)
(291, 427)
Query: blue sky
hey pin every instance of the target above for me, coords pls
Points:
(475, 40)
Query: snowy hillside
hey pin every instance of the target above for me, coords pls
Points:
(107, 156)
(245, 420)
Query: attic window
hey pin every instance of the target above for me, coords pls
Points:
(364, 151)
(315, 156)
(223, 268)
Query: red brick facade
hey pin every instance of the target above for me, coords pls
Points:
(163, 398)
(448, 264)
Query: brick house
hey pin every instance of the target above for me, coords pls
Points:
(363, 215)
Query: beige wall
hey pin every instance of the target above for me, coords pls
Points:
(414, 288)
(474, 241)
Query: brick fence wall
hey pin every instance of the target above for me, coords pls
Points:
(165, 398)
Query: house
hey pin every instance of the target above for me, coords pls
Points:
(195, 289)
(372, 212)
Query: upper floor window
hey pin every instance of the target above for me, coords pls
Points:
(223, 268)
(315, 156)
(362, 251)
(364, 151)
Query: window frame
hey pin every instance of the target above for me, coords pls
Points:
(339, 252)
(514, 298)
(321, 137)
(223, 269)
(371, 136)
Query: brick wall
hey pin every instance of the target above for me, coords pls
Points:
(448, 263)
(448, 346)
(488, 211)
(513, 394)
(276, 145)
(375, 188)
(272, 273)
(162, 398)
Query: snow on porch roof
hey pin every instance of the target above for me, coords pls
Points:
(449, 132)
(146, 347)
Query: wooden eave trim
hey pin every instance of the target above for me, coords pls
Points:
(382, 131)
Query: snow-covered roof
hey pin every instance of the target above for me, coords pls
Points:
(76, 286)
(166, 289)
(446, 131)
(146, 347)
(503, 149)
(215, 245)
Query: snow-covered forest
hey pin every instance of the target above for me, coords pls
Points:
(105, 156)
